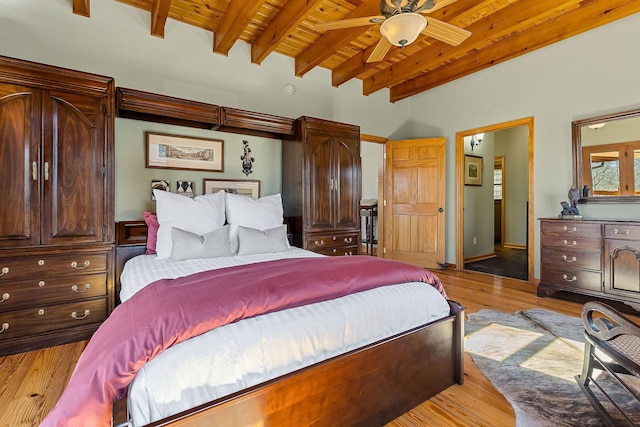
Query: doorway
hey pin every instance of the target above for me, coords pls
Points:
(503, 193)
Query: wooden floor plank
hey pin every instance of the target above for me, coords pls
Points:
(31, 383)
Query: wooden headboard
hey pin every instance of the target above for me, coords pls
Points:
(131, 240)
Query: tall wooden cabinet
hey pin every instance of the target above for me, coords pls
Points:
(599, 258)
(57, 214)
(321, 186)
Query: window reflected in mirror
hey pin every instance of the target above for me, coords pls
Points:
(612, 170)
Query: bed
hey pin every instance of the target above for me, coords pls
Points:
(402, 346)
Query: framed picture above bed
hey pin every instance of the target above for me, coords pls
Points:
(247, 187)
(184, 152)
(472, 170)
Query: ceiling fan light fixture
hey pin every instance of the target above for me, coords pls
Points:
(404, 28)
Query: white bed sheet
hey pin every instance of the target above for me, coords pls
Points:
(249, 352)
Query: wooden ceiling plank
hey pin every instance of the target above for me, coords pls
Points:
(352, 67)
(332, 41)
(501, 24)
(563, 26)
(236, 18)
(82, 7)
(283, 24)
(159, 14)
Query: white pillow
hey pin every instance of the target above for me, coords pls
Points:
(191, 246)
(252, 241)
(262, 214)
(200, 215)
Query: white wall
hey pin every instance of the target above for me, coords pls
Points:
(587, 75)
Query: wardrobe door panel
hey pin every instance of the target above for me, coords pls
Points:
(320, 176)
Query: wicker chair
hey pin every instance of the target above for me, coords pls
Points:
(617, 337)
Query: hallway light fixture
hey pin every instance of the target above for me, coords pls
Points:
(597, 126)
(404, 28)
(476, 140)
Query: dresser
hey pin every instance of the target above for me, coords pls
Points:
(57, 216)
(599, 258)
(321, 186)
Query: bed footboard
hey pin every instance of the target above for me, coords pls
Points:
(368, 386)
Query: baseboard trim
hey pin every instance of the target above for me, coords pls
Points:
(480, 257)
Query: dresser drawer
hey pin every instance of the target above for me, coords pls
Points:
(576, 243)
(622, 231)
(331, 241)
(568, 258)
(33, 292)
(572, 278)
(571, 228)
(36, 320)
(48, 266)
(340, 251)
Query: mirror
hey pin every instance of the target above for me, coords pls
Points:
(606, 157)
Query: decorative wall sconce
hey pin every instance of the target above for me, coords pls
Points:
(476, 140)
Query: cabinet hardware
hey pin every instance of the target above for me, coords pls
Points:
(348, 239)
(41, 312)
(335, 250)
(75, 315)
(567, 259)
(318, 242)
(41, 283)
(4, 271)
(5, 326)
(75, 288)
(569, 230)
(5, 297)
(46, 171)
(34, 171)
(348, 253)
(40, 262)
(573, 243)
(333, 238)
(616, 231)
(573, 278)
(75, 265)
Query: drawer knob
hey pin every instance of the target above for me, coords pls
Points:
(5, 297)
(40, 262)
(334, 238)
(569, 230)
(335, 250)
(75, 265)
(572, 243)
(318, 242)
(616, 231)
(41, 312)
(5, 326)
(75, 315)
(566, 278)
(4, 271)
(567, 259)
(41, 283)
(348, 239)
(75, 288)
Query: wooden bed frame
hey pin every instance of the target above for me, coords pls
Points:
(369, 386)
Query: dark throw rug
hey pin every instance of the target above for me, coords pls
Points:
(531, 357)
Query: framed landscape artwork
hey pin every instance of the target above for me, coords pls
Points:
(472, 170)
(236, 186)
(184, 152)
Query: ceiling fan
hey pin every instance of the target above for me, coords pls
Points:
(402, 21)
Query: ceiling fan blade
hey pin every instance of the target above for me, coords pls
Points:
(348, 23)
(402, 3)
(445, 32)
(439, 5)
(380, 51)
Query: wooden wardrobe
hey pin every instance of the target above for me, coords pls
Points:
(57, 204)
(321, 186)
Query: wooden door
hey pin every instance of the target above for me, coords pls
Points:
(414, 202)
(73, 168)
(19, 161)
(347, 186)
(319, 215)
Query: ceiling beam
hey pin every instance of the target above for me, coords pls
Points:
(332, 41)
(562, 26)
(280, 27)
(352, 67)
(159, 14)
(82, 7)
(501, 24)
(238, 15)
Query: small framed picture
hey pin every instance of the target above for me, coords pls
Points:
(184, 188)
(159, 185)
(472, 170)
(184, 152)
(237, 186)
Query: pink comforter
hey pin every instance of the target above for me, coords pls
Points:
(169, 311)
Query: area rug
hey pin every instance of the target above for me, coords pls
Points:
(531, 357)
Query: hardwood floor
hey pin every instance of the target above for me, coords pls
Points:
(30, 383)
